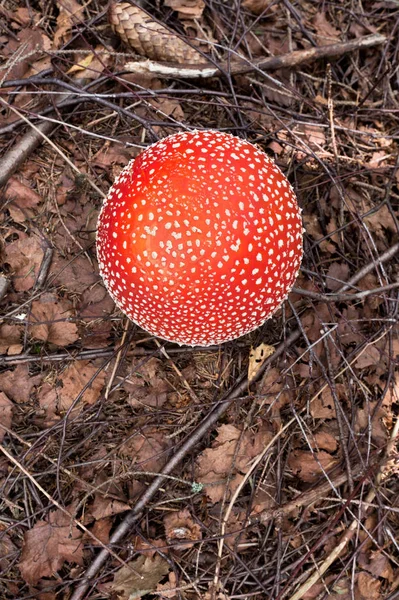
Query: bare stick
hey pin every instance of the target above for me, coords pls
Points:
(4, 283)
(347, 536)
(208, 422)
(241, 66)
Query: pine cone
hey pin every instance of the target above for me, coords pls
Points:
(149, 38)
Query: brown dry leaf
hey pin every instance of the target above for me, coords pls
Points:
(52, 316)
(323, 407)
(140, 579)
(25, 43)
(147, 451)
(337, 275)
(224, 460)
(379, 433)
(313, 320)
(180, 527)
(74, 379)
(109, 500)
(309, 466)
(90, 66)
(70, 12)
(149, 546)
(272, 390)
(10, 337)
(369, 357)
(75, 275)
(24, 257)
(377, 564)
(48, 545)
(313, 138)
(101, 529)
(148, 385)
(325, 441)
(95, 309)
(58, 395)
(368, 586)
(111, 154)
(257, 357)
(6, 410)
(258, 7)
(378, 221)
(18, 384)
(325, 32)
(22, 199)
(166, 589)
(187, 9)
(7, 549)
(349, 326)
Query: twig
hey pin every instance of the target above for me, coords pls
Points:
(29, 142)
(347, 536)
(4, 283)
(242, 66)
(208, 422)
(44, 269)
(61, 508)
(345, 297)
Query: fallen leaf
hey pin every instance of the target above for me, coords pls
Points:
(24, 256)
(18, 383)
(257, 357)
(145, 451)
(76, 378)
(57, 396)
(180, 527)
(323, 440)
(377, 564)
(48, 545)
(337, 275)
(229, 457)
(368, 586)
(260, 7)
(168, 590)
(51, 317)
(323, 406)
(7, 549)
(188, 9)
(369, 357)
(147, 384)
(70, 12)
(101, 529)
(22, 199)
(6, 410)
(309, 466)
(149, 546)
(10, 336)
(325, 32)
(75, 274)
(139, 577)
(109, 500)
(367, 416)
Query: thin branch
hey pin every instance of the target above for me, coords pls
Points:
(241, 66)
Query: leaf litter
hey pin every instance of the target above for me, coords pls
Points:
(95, 411)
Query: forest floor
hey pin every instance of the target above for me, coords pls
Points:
(279, 486)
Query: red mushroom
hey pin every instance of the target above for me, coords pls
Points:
(200, 238)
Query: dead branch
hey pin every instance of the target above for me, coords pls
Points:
(241, 66)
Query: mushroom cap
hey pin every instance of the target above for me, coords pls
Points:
(200, 238)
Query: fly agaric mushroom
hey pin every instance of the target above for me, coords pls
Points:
(200, 238)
